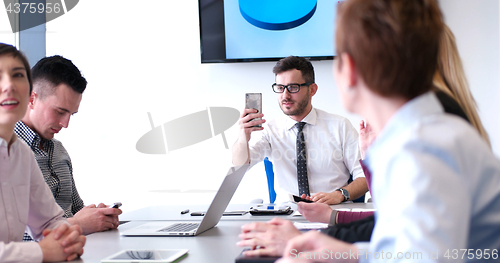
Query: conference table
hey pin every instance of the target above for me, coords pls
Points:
(214, 245)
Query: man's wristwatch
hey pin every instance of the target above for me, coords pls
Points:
(344, 193)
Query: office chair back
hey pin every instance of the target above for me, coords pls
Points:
(268, 165)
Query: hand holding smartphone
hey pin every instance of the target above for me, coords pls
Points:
(297, 199)
(116, 205)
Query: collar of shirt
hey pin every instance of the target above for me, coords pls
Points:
(310, 118)
(4, 143)
(408, 115)
(30, 137)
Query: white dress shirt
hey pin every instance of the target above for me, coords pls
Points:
(331, 148)
(436, 188)
(26, 204)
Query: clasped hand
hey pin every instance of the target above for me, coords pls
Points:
(267, 238)
(62, 243)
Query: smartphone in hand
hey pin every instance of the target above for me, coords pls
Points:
(116, 205)
(254, 101)
(297, 199)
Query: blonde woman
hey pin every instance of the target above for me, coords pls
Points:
(450, 78)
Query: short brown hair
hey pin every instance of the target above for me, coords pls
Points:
(393, 43)
(298, 63)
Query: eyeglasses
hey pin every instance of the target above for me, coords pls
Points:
(292, 88)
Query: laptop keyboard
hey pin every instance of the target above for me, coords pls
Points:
(180, 227)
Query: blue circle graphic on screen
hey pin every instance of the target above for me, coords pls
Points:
(277, 14)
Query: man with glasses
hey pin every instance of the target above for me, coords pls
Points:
(313, 152)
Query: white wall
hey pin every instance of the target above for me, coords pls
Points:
(476, 28)
(143, 57)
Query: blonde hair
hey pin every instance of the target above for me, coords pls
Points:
(450, 78)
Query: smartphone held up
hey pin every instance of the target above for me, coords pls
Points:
(254, 101)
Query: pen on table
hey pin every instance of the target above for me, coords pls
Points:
(185, 211)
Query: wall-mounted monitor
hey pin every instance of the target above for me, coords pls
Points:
(266, 30)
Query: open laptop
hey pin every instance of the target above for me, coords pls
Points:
(211, 218)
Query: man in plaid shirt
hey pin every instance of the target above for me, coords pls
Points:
(57, 91)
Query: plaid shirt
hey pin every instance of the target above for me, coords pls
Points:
(55, 164)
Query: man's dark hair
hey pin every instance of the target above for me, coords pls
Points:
(298, 63)
(8, 49)
(52, 71)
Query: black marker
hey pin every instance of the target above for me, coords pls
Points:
(185, 211)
